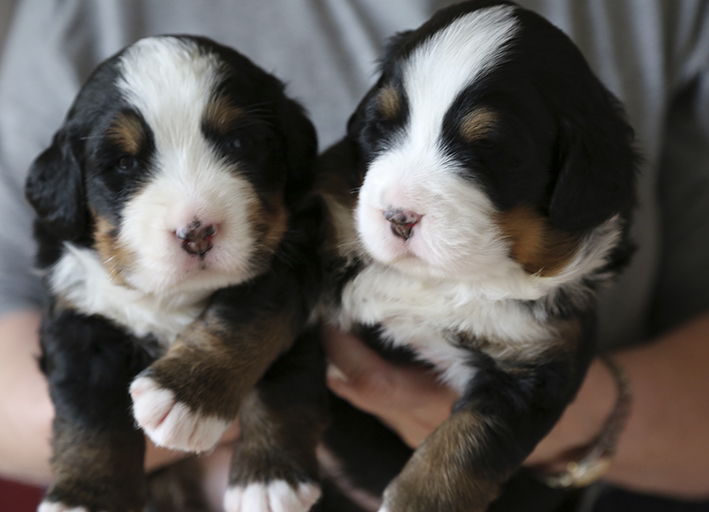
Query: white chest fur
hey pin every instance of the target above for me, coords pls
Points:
(429, 315)
(80, 278)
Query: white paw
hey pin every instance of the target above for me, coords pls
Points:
(54, 506)
(171, 423)
(277, 496)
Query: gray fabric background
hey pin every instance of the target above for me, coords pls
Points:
(654, 54)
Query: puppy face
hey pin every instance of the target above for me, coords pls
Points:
(176, 156)
(490, 151)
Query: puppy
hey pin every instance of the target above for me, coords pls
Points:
(482, 196)
(178, 253)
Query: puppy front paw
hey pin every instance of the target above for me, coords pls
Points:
(171, 423)
(56, 506)
(275, 496)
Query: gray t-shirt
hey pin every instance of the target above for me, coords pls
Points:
(653, 54)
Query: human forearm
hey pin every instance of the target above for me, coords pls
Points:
(25, 408)
(665, 446)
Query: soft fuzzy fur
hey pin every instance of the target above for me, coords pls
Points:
(179, 254)
(481, 197)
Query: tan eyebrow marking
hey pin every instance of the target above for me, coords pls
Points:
(477, 123)
(389, 102)
(127, 133)
(221, 115)
(114, 256)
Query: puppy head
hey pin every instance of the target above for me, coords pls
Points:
(490, 150)
(175, 163)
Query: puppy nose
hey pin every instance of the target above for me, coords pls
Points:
(196, 238)
(402, 221)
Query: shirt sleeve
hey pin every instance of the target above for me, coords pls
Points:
(41, 71)
(683, 280)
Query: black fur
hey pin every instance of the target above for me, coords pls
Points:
(90, 361)
(561, 148)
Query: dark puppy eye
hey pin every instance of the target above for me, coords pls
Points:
(238, 143)
(381, 125)
(127, 163)
(483, 143)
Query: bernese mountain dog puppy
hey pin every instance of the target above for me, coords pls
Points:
(481, 197)
(178, 250)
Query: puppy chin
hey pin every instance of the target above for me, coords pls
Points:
(185, 274)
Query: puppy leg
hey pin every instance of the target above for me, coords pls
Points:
(274, 467)
(95, 471)
(189, 397)
(494, 426)
(97, 460)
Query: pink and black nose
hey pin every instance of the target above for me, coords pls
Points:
(196, 238)
(402, 221)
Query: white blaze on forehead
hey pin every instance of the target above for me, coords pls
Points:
(451, 60)
(171, 82)
(164, 75)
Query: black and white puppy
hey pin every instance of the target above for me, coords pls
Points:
(481, 197)
(179, 259)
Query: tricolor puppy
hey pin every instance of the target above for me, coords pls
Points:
(178, 255)
(480, 199)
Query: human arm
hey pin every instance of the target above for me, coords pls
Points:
(25, 408)
(663, 448)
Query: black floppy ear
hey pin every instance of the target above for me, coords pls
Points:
(301, 141)
(597, 171)
(356, 121)
(55, 189)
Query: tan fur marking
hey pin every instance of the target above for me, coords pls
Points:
(437, 478)
(337, 183)
(222, 115)
(270, 222)
(127, 133)
(477, 124)
(389, 102)
(212, 367)
(114, 256)
(568, 334)
(534, 244)
(85, 462)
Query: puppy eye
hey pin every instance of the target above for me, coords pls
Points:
(238, 143)
(381, 125)
(127, 163)
(483, 143)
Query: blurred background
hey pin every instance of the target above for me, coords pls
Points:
(14, 497)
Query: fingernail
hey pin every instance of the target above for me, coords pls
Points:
(334, 373)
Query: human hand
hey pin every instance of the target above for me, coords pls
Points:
(413, 402)
(410, 400)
